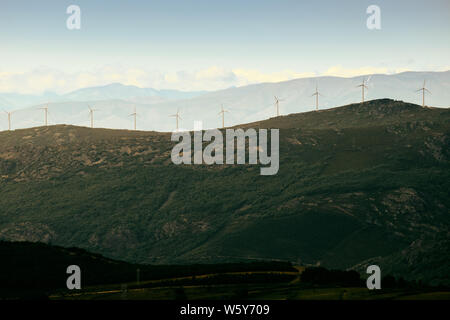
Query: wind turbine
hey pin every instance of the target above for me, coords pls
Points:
(177, 116)
(222, 112)
(317, 98)
(91, 113)
(9, 119)
(277, 104)
(134, 114)
(46, 113)
(423, 89)
(363, 85)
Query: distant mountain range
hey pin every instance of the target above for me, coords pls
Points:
(12, 101)
(250, 103)
(120, 91)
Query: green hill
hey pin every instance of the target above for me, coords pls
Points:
(31, 270)
(359, 183)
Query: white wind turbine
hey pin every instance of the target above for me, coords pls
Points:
(9, 113)
(423, 89)
(222, 112)
(317, 97)
(177, 116)
(363, 86)
(134, 114)
(45, 114)
(277, 105)
(91, 113)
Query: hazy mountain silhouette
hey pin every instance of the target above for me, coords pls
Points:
(246, 104)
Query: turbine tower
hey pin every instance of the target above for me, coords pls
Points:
(423, 89)
(45, 114)
(363, 85)
(9, 119)
(177, 116)
(134, 114)
(317, 98)
(222, 112)
(277, 104)
(91, 113)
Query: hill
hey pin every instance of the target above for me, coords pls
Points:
(357, 183)
(31, 270)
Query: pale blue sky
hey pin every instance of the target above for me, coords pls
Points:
(188, 40)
